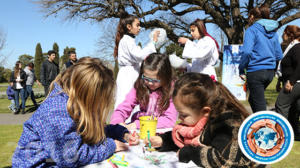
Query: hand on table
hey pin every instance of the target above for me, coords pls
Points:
(156, 141)
(132, 139)
(120, 146)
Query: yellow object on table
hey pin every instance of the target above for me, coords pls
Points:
(147, 124)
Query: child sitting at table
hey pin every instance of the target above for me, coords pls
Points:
(68, 129)
(152, 91)
(210, 119)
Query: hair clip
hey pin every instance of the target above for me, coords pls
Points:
(213, 78)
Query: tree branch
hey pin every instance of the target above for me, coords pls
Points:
(289, 19)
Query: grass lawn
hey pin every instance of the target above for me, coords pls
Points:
(9, 136)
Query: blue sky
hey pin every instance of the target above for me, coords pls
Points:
(25, 26)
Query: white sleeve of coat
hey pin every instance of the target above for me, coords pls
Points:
(201, 50)
(138, 53)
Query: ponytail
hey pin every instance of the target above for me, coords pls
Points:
(125, 19)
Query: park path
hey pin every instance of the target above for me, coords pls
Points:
(11, 119)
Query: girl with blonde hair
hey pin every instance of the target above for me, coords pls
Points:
(69, 129)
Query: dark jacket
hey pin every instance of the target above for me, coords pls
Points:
(49, 71)
(69, 63)
(22, 76)
(220, 138)
(290, 65)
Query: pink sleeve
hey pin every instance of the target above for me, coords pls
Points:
(168, 118)
(123, 111)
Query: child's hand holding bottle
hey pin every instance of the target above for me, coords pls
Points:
(156, 141)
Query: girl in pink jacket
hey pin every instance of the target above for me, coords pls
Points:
(152, 92)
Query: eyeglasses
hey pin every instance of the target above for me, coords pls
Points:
(147, 79)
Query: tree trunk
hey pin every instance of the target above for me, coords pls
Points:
(235, 36)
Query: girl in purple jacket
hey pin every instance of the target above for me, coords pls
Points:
(152, 92)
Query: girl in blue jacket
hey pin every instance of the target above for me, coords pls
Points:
(261, 52)
(69, 128)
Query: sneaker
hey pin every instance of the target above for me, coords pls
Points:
(17, 111)
(9, 107)
(23, 111)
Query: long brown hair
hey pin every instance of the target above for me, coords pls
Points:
(197, 90)
(293, 32)
(161, 64)
(202, 29)
(89, 85)
(122, 29)
(17, 69)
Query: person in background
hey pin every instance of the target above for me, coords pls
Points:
(260, 55)
(288, 100)
(72, 60)
(18, 78)
(11, 96)
(69, 128)
(204, 51)
(49, 71)
(129, 55)
(31, 78)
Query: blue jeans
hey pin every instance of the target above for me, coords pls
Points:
(257, 82)
(22, 92)
(29, 92)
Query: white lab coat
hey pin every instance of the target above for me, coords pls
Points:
(204, 55)
(130, 57)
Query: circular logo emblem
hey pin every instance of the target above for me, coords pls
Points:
(266, 137)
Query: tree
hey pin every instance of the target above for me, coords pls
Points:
(38, 60)
(4, 74)
(2, 45)
(25, 59)
(56, 49)
(229, 16)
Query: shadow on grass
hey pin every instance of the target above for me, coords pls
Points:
(32, 108)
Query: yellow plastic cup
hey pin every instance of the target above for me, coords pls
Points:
(146, 124)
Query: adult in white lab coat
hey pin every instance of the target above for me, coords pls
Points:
(129, 54)
(204, 52)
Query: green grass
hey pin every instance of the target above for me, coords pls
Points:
(4, 103)
(292, 160)
(9, 137)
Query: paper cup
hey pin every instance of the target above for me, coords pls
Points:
(146, 124)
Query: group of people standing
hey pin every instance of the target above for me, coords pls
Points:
(80, 100)
(21, 81)
(262, 56)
